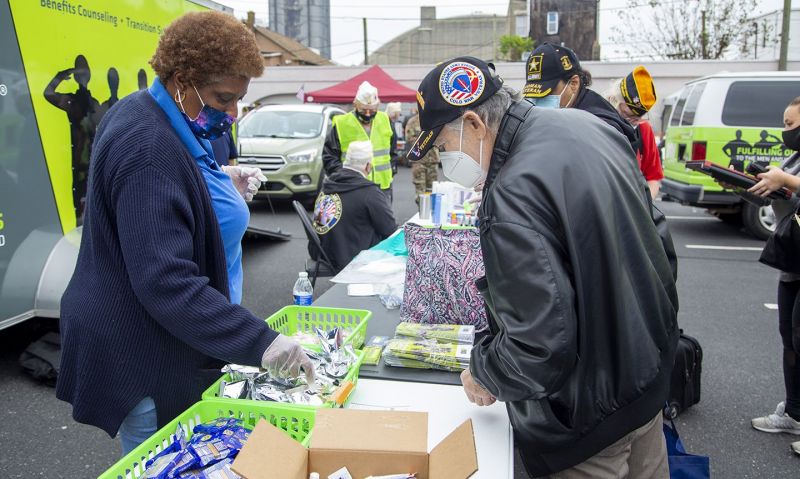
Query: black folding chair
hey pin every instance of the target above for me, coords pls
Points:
(322, 266)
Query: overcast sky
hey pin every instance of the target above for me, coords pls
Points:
(387, 19)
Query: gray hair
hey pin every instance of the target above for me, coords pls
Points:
(614, 93)
(492, 110)
(358, 154)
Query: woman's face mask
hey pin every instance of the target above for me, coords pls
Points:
(210, 123)
(461, 168)
(791, 138)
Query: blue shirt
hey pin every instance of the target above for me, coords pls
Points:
(229, 206)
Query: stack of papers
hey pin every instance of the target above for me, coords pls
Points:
(444, 333)
(427, 354)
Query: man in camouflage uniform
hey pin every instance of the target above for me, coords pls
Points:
(425, 171)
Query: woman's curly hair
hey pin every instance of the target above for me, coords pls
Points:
(206, 46)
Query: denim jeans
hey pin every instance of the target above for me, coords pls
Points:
(138, 425)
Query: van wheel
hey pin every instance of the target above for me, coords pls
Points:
(759, 220)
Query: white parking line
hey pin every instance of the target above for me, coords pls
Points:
(770, 305)
(724, 248)
(703, 218)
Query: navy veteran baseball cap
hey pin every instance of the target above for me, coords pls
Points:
(546, 66)
(446, 92)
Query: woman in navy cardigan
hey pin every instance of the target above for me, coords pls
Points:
(151, 312)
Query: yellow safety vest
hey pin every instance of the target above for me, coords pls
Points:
(350, 129)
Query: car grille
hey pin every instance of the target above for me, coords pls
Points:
(272, 186)
(268, 164)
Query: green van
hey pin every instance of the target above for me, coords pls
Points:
(731, 119)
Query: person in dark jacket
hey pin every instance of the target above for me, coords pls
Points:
(152, 310)
(351, 214)
(786, 418)
(224, 149)
(555, 79)
(581, 296)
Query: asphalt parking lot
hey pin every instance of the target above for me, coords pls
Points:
(727, 300)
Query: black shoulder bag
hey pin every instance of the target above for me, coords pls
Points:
(782, 250)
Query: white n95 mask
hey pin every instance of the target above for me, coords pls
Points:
(460, 167)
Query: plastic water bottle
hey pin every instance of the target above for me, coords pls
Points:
(303, 291)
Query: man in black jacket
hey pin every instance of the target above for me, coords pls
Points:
(581, 298)
(351, 214)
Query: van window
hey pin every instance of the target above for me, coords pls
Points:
(333, 114)
(676, 114)
(665, 118)
(691, 105)
(758, 103)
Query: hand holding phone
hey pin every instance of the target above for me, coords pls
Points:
(755, 168)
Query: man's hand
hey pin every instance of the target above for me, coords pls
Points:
(475, 393)
(773, 180)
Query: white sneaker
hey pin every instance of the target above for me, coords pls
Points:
(778, 421)
(796, 447)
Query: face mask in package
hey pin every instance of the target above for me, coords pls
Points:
(207, 455)
(220, 470)
(374, 348)
(331, 365)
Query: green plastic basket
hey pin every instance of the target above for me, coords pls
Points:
(296, 422)
(305, 319)
(212, 393)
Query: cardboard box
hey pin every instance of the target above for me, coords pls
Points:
(368, 443)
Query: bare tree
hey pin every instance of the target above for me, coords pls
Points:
(689, 29)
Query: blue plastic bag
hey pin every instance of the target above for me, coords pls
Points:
(683, 465)
(394, 245)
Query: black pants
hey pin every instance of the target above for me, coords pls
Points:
(388, 193)
(789, 327)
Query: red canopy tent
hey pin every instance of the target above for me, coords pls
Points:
(345, 92)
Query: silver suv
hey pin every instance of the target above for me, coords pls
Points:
(286, 142)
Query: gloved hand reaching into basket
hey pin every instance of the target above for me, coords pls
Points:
(246, 179)
(285, 357)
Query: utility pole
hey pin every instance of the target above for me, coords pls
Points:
(755, 42)
(596, 44)
(787, 13)
(494, 38)
(703, 35)
(366, 53)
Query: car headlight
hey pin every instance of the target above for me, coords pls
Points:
(302, 156)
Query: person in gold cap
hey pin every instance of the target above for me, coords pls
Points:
(633, 96)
